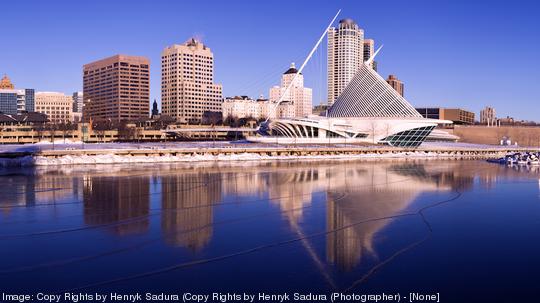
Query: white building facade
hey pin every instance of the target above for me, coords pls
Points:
(299, 96)
(244, 107)
(488, 117)
(368, 110)
(345, 56)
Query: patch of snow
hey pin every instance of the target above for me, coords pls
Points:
(58, 142)
(119, 159)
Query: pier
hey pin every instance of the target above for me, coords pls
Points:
(264, 151)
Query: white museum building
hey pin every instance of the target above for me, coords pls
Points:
(368, 110)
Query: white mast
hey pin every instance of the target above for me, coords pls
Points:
(304, 64)
(368, 61)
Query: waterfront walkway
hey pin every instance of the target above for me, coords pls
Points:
(187, 149)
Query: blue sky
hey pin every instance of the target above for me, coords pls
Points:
(465, 54)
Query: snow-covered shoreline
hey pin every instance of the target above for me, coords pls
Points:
(27, 161)
(182, 152)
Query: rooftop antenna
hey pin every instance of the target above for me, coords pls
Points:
(303, 65)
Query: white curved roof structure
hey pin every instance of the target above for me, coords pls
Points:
(369, 95)
(368, 110)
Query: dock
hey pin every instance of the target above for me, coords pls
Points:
(267, 151)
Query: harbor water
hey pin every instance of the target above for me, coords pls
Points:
(465, 229)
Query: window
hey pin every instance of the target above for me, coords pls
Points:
(409, 138)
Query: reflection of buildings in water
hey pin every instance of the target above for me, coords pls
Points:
(239, 184)
(29, 189)
(56, 188)
(456, 180)
(384, 191)
(372, 189)
(187, 201)
(114, 199)
(292, 191)
(18, 190)
(377, 190)
(354, 193)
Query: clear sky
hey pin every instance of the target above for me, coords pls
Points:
(449, 53)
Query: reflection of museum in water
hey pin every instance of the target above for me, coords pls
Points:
(125, 201)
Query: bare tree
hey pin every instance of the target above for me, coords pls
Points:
(230, 121)
(125, 132)
(40, 130)
(387, 129)
(65, 127)
(373, 129)
(52, 127)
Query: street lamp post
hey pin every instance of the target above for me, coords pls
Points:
(84, 126)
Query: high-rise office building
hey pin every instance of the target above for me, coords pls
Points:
(345, 56)
(57, 106)
(16, 101)
(187, 82)
(26, 102)
(396, 84)
(78, 102)
(8, 101)
(298, 95)
(487, 116)
(117, 88)
(369, 50)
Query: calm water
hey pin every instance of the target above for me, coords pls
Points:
(467, 229)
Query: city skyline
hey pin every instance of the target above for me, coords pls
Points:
(444, 64)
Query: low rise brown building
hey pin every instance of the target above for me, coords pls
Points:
(456, 115)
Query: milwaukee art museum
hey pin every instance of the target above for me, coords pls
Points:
(368, 110)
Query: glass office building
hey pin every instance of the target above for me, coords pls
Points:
(16, 101)
(8, 101)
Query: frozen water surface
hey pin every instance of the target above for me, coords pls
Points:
(466, 229)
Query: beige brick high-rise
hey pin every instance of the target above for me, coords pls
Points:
(187, 82)
(57, 106)
(298, 95)
(117, 88)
